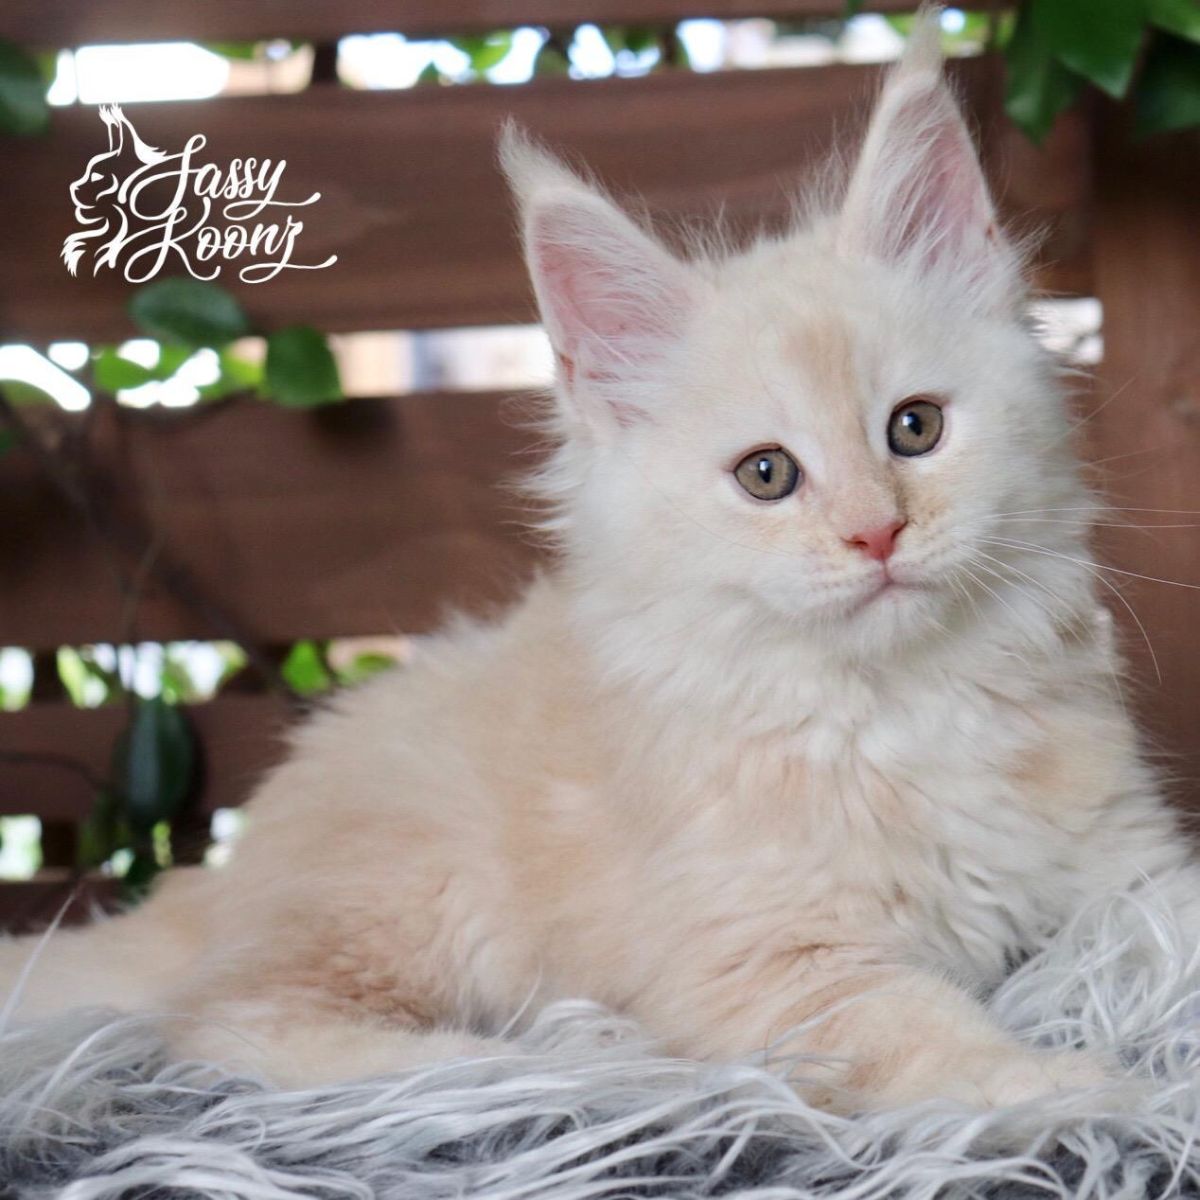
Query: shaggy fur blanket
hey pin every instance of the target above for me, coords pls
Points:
(90, 1109)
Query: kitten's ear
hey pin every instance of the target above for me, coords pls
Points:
(613, 300)
(918, 191)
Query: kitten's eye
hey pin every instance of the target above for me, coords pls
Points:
(915, 428)
(768, 474)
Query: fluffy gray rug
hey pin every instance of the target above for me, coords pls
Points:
(91, 1110)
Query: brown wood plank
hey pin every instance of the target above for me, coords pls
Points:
(241, 737)
(416, 211)
(1146, 422)
(366, 518)
(59, 23)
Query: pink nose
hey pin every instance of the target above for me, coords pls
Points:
(877, 543)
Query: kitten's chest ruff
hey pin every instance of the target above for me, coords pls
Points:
(914, 821)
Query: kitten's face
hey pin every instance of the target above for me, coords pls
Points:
(829, 363)
(832, 428)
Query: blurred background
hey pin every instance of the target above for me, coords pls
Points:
(221, 499)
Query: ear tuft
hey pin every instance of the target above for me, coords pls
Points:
(922, 55)
(611, 297)
(529, 167)
(918, 193)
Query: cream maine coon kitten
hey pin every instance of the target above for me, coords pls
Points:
(810, 726)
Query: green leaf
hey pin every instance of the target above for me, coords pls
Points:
(240, 371)
(191, 311)
(640, 38)
(171, 357)
(154, 764)
(305, 671)
(8, 439)
(364, 666)
(1098, 39)
(112, 373)
(1168, 95)
(1181, 17)
(23, 107)
(139, 876)
(485, 51)
(178, 687)
(87, 683)
(237, 51)
(551, 61)
(1038, 87)
(237, 375)
(20, 393)
(102, 832)
(301, 371)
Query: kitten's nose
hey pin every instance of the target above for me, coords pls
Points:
(877, 543)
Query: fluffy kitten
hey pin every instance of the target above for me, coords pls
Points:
(809, 733)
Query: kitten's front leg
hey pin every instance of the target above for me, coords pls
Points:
(867, 1033)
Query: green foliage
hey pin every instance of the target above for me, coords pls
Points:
(301, 370)
(1097, 39)
(235, 51)
(237, 375)
(185, 314)
(154, 772)
(111, 372)
(551, 61)
(186, 310)
(154, 766)
(1180, 17)
(23, 107)
(87, 683)
(484, 51)
(103, 832)
(305, 669)
(8, 439)
(1039, 87)
(1168, 96)
(363, 667)
(1059, 46)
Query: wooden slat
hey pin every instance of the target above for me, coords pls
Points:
(71, 23)
(241, 737)
(415, 209)
(1145, 429)
(370, 517)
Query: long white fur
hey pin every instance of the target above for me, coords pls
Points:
(90, 1108)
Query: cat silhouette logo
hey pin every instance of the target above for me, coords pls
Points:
(140, 208)
(97, 193)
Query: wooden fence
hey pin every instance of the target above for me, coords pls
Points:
(376, 515)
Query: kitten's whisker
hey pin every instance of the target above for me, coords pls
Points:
(1054, 616)
(1103, 509)
(1083, 562)
(1118, 691)
(1083, 522)
(1115, 394)
(1099, 462)
(1000, 600)
(1094, 569)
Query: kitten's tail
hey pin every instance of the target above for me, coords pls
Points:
(130, 962)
